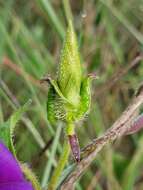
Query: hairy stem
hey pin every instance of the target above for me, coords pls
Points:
(30, 176)
(62, 162)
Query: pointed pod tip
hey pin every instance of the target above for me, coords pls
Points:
(71, 28)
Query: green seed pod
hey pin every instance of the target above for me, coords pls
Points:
(55, 106)
(69, 74)
(69, 96)
(85, 98)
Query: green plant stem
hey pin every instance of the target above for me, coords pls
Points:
(30, 176)
(62, 162)
(67, 9)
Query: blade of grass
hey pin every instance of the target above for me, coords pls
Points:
(112, 36)
(48, 9)
(4, 14)
(48, 166)
(29, 37)
(42, 111)
(124, 21)
(1, 113)
(132, 170)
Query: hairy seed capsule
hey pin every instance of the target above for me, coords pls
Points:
(69, 74)
(69, 96)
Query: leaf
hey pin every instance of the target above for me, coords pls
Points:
(18, 114)
(7, 128)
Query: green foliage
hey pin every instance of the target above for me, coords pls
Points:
(69, 96)
(7, 127)
(5, 133)
(31, 34)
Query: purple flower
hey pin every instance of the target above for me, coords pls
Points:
(11, 176)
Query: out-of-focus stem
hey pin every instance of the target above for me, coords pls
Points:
(62, 162)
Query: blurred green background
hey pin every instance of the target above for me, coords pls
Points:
(110, 36)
